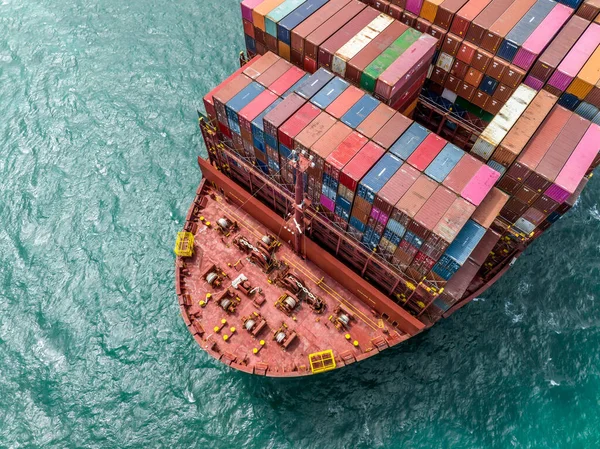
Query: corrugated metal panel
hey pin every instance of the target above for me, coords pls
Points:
(435, 208)
(490, 207)
(454, 220)
(312, 23)
(579, 161)
(238, 102)
(409, 141)
(299, 15)
(360, 165)
(543, 139)
(375, 120)
(296, 123)
(460, 175)
(509, 114)
(444, 162)
(427, 151)
(541, 36)
(276, 14)
(357, 113)
(378, 176)
(416, 196)
(383, 61)
(466, 241)
(524, 28)
(329, 93)
(315, 83)
(392, 130)
(587, 111)
(479, 186)
(358, 42)
(344, 102)
(554, 160)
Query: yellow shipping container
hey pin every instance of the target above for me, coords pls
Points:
(430, 9)
(284, 50)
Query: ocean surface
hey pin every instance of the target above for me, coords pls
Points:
(98, 140)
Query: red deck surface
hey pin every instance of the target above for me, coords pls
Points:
(315, 332)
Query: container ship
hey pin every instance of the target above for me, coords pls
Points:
(375, 165)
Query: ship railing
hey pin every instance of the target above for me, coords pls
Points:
(313, 215)
(470, 125)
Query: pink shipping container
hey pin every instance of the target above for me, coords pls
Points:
(328, 203)
(534, 83)
(402, 70)
(414, 6)
(578, 164)
(480, 185)
(542, 36)
(247, 7)
(576, 58)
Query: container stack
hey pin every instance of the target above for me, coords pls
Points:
(357, 42)
(444, 218)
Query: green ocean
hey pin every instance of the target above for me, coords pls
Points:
(98, 140)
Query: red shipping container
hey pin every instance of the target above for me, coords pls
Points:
(261, 65)
(485, 247)
(375, 121)
(313, 22)
(459, 69)
(313, 132)
(343, 154)
(466, 52)
(427, 151)
(485, 20)
(465, 16)
(435, 208)
(280, 113)
(392, 131)
(254, 109)
(462, 173)
(360, 165)
(286, 81)
(367, 55)
(412, 61)
(395, 189)
(454, 219)
(493, 37)
(328, 48)
(344, 102)
(226, 93)
(558, 154)
(416, 196)
(481, 60)
(451, 44)
(209, 105)
(446, 12)
(273, 73)
(300, 120)
(330, 27)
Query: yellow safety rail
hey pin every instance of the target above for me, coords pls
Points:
(184, 245)
(321, 361)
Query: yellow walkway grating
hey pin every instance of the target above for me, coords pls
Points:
(184, 245)
(321, 361)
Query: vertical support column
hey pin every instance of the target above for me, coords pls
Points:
(299, 212)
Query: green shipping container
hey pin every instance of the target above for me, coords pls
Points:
(385, 59)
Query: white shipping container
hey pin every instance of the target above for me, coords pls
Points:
(508, 115)
(358, 42)
(449, 95)
(445, 62)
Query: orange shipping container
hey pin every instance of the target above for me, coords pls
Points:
(587, 77)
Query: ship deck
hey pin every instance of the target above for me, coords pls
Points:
(223, 334)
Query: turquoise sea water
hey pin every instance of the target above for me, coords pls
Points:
(98, 141)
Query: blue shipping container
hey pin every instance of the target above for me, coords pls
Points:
(465, 242)
(361, 109)
(376, 178)
(587, 111)
(523, 29)
(329, 93)
(569, 101)
(315, 83)
(237, 103)
(488, 85)
(357, 224)
(258, 130)
(250, 44)
(498, 167)
(444, 162)
(409, 141)
(299, 15)
(296, 86)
